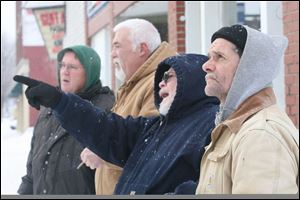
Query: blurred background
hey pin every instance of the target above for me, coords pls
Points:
(33, 32)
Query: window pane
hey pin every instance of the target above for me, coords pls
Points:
(248, 13)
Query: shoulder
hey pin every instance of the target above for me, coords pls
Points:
(268, 126)
(268, 119)
(105, 97)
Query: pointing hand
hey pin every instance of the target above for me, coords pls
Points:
(39, 93)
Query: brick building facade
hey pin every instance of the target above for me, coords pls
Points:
(291, 31)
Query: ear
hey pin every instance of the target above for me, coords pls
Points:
(144, 49)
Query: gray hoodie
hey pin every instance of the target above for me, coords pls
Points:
(259, 65)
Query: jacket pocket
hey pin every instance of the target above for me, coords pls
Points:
(221, 147)
(217, 154)
(218, 168)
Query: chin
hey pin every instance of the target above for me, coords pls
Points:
(208, 92)
(67, 90)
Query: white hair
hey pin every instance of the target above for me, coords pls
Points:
(141, 31)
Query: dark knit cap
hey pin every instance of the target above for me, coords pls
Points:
(237, 34)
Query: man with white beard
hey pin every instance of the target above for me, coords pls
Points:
(137, 49)
(159, 155)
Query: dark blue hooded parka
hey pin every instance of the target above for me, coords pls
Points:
(159, 154)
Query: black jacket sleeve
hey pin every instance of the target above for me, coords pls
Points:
(188, 187)
(109, 135)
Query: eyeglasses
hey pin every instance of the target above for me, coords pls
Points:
(68, 66)
(166, 76)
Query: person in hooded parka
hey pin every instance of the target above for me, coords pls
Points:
(159, 155)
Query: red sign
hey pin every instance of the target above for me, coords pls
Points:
(51, 22)
(52, 18)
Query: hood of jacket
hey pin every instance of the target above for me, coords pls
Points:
(190, 84)
(89, 59)
(258, 67)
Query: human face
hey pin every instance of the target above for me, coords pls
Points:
(220, 68)
(72, 73)
(123, 54)
(167, 91)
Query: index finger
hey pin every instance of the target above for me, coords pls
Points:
(26, 80)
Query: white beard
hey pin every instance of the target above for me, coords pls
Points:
(165, 106)
(119, 72)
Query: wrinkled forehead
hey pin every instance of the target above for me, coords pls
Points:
(121, 34)
(221, 43)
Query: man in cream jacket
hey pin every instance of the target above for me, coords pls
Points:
(255, 146)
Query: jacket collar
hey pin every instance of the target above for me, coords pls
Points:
(249, 107)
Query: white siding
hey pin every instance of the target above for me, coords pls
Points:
(75, 24)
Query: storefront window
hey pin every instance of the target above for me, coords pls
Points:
(248, 13)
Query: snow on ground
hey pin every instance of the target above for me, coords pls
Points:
(14, 151)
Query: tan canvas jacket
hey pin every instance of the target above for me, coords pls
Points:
(255, 151)
(135, 97)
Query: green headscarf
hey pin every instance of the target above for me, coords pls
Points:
(90, 61)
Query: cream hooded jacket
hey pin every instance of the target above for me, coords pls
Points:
(255, 148)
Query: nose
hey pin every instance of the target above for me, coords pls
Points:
(162, 84)
(208, 66)
(113, 53)
(64, 70)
